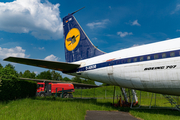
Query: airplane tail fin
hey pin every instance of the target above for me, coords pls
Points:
(77, 44)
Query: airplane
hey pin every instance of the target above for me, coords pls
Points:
(152, 67)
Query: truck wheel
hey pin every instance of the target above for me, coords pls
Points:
(65, 95)
(70, 96)
(42, 95)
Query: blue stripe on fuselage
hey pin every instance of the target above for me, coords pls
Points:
(125, 60)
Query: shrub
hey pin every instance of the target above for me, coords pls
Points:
(17, 89)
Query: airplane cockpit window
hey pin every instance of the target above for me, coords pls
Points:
(163, 55)
(172, 54)
(141, 58)
(135, 59)
(156, 56)
(148, 57)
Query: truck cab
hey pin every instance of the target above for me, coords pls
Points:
(40, 87)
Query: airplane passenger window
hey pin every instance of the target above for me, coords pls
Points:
(122, 61)
(156, 56)
(135, 59)
(141, 58)
(129, 60)
(172, 54)
(163, 55)
(148, 57)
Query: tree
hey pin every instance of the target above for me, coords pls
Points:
(87, 81)
(56, 75)
(33, 75)
(20, 74)
(28, 74)
(8, 72)
(105, 84)
(10, 66)
(1, 66)
(66, 79)
(44, 75)
(77, 79)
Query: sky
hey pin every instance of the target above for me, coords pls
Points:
(34, 29)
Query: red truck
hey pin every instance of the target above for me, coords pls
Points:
(64, 90)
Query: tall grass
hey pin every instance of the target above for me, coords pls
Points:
(75, 109)
(51, 108)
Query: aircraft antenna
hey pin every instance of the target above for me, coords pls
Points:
(77, 10)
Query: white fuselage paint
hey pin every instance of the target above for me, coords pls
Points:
(133, 75)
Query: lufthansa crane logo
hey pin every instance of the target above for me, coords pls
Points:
(72, 39)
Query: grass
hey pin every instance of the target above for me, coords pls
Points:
(75, 109)
(51, 108)
(107, 92)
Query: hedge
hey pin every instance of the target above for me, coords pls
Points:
(16, 89)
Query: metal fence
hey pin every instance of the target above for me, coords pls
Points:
(144, 98)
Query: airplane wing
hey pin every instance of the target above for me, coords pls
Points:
(61, 66)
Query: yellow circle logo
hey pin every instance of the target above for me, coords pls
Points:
(72, 39)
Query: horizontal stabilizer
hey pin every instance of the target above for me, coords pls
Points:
(60, 66)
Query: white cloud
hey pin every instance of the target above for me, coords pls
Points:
(176, 9)
(51, 58)
(136, 23)
(41, 48)
(123, 34)
(100, 24)
(14, 52)
(177, 30)
(42, 20)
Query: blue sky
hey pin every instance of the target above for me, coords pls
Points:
(33, 28)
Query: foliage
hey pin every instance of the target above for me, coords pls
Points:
(105, 84)
(49, 75)
(28, 74)
(45, 75)
(1, 66)
(77, 79)
(66, 79)
(20, 74)
(80, 80)
(8, 72)
(16, 89)
(11, 87)
(56, 75)
(87, 81)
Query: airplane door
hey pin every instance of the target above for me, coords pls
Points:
(110, 74)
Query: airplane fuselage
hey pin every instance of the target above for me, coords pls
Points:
(153, 67)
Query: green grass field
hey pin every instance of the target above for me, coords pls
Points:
(51, 108)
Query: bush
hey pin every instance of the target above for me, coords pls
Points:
(17, 89)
